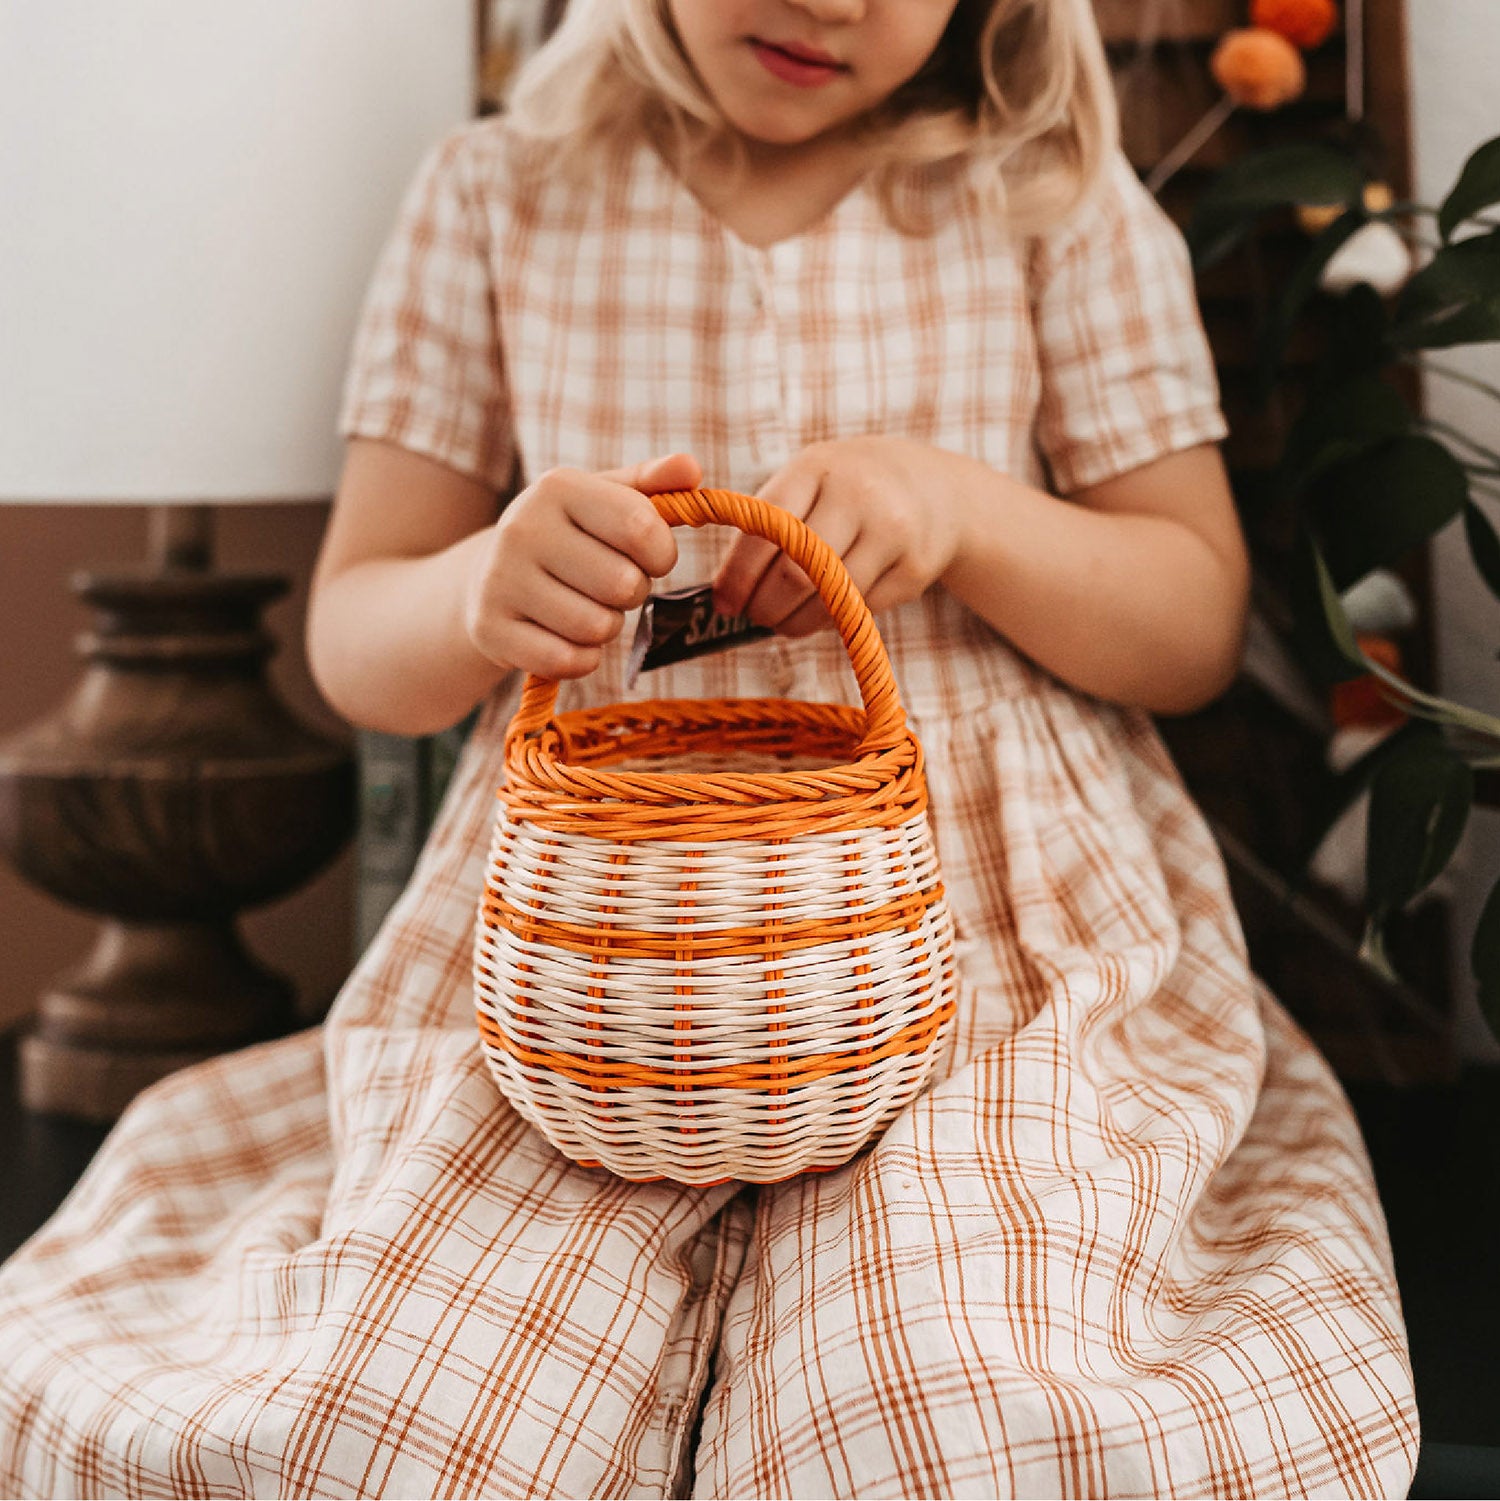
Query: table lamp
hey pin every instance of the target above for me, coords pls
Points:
(194, 195)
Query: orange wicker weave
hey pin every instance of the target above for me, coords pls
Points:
(713, 942)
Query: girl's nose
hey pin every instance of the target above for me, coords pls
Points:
(832, 12)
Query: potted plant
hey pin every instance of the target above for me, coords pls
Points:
(1364, 479)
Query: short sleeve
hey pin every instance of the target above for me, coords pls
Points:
(1127, 375)
(426, 371)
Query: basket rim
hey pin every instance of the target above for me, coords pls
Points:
(537, 765)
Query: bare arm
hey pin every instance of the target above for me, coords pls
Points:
(1134, 590)
(426, 595)
(386, 637)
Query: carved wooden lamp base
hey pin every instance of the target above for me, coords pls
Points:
(171, 790)
(134, 1011)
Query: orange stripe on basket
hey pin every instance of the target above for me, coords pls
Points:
(589, 938)
(624, 824)
(915, 1037)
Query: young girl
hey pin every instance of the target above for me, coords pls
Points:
(881, 262)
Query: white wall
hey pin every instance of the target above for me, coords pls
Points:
(1455, 84)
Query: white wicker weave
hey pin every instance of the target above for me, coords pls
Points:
(844, 999)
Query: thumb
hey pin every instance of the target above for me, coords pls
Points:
(671, 471)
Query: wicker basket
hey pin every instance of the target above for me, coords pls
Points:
(713, 942)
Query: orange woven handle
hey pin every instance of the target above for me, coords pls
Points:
(885, 723)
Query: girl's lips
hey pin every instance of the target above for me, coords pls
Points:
(802, 69)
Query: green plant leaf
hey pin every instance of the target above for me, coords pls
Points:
(1372, 951)
(1304, 172)
(1301, 173)
(1453, 299)
(1484, 959)
(1484, 546)
(1348, 784)
(1374, 507)
(1357, 335)
(1321, 637)
(1341, 421)
(1466, 323)
(1212, 235)
(1478, 186)
(1302, 285)
(1420, 798)
(1479, 727)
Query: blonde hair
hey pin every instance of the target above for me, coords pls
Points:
(1020, 89)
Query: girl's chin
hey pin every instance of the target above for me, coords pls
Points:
(758, 131)
(764, 140)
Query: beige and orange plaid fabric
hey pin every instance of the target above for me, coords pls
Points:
(1129, 1244)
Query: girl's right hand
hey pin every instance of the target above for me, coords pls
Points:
(568, 557)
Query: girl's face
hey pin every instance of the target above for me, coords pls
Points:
(788, 71)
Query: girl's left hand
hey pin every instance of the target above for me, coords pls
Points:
(882, 504)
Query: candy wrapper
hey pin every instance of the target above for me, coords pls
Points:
(683, 624)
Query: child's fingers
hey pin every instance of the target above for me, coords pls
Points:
(809, 618)
(793, 489)
(566, 612)
(669, 471)
(740, 573)
(533, 648)
(595, 569)
(872, 568)
(784, 588)
(824, 504)
(872, 564)
(622, 518)
(677, 471)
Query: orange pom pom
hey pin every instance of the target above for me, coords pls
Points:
(1362, 700)
(1304, 23)
(1258, 68)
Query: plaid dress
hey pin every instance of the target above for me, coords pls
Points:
(1129, 1245)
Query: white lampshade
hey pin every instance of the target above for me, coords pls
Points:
(192, 196)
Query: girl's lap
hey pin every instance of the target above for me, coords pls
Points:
(995, 1302)
(421, 1294)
